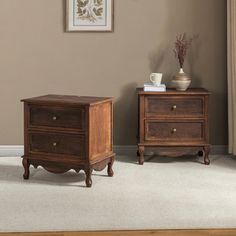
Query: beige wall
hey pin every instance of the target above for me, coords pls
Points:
(38, 57)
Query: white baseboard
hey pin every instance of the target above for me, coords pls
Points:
(18, 150)
(11, 150)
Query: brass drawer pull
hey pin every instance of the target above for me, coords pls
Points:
(54, 118)
(54, 144)
(174, 107)
(174, 130)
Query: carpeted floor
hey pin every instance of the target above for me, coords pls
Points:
(165, 193)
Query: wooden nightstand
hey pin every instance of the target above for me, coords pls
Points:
(68, 132)
(174, 123)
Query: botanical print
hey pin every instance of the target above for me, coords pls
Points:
(90, 10)
(89, 15)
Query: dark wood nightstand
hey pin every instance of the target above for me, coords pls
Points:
(68, 132)
(174, 123)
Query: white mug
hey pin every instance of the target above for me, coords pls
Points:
(156, 78)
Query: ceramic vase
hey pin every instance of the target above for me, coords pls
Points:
(181, 81)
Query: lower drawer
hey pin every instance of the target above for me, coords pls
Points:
(54, 143)
(174, 131)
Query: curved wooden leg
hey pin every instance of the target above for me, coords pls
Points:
(141, 155)
(26, 165)
(138, 154)
(88, 179)
(200, 153)
(206, 155)
(110, 172)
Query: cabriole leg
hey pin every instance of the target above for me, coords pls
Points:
(110, 172)
(141, 155)
(200, 153)
(88, 179)
(26, 165)
(206, 155)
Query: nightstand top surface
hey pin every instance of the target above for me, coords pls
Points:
(171, 91)
(67, 99)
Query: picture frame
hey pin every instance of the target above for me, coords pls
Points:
(89, 15)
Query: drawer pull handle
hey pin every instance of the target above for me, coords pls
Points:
(54, 118)
(174, 107)
(174, 130)
(54, 144)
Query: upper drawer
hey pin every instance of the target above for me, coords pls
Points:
(173, 106)
(61, 117)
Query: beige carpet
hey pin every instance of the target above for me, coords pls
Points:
(164, 193)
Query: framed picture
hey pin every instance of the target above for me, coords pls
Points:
(89, 15)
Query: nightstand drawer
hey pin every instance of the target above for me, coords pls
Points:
(173, 106)
(57, 117)
(54, 143)
(174, 131)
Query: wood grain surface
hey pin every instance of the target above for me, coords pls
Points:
(173, 119)
(205, 232)
(68, 132)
